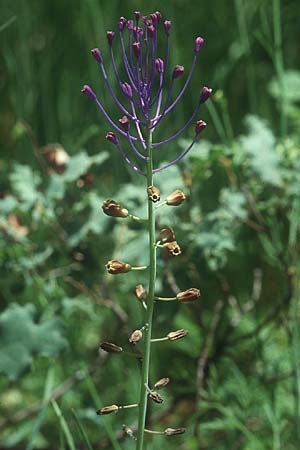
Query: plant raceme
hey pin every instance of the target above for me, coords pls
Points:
(147, 95)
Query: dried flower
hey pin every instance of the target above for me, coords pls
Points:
(112, 208)
(162, 383)
(116, 266)
(178, 334)
(172, 248)
(188, 296)
(109, 347)
(167, 235)
(175, 198)
(156, 397)
(108, 410)
(135, 337)
(173, 431)
(153, 194)
(140, 292)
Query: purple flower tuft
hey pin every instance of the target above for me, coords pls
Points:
(124, 122)
(159, 64)
(167, 27)
(97, 55)
(130, 25)
(200, 125)
(177, 72)
(121, 23)
(86, 90)
(205, 94)
(136, 47)
(110, 37)
(199, 41)
(137, 15)
(111, 137)
(127, 89)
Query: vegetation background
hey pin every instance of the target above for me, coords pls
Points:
(235, 378)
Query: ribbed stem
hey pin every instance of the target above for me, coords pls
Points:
(150, 305)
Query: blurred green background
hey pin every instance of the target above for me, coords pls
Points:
(235, 378)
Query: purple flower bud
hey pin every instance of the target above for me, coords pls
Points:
(167, 27)
(200, 125)
(136, 47)
(124, 122)
(205, 94)
(110, 37)
(86, 90)
(111, 137)
(151, 30)
(130, 25)
(177, 72)
(127, 89)
(121, 23)
(156, 17)
(97, 55)
(147, 21)
(199, 41)
(137, 32)
(137, 15)
(159, 64)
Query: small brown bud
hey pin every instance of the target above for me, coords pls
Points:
(167, 235)
(140, 292)
(173, 431)
(109, 347)
(172, 248)
(188, 296)
(176, 198)
(156, 397)
(135, 337)
(116, 266)
(153, 194)
(178, 334)
(108, 410)
(112, 208)
(162, 383)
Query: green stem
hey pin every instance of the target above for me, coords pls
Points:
(150, 305)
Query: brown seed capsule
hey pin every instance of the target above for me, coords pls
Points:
(140, 292)
(108, 410)
(156, 397)
(172, 248)
(153, 194)
(116, 266)
(173, 431)
(113, 209)
(135, 337)
(176, 198)
(188, 296)
(178, 334)
(167, 235)
(109, 347)
(162, 383)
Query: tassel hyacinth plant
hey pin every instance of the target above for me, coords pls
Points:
(148, 99)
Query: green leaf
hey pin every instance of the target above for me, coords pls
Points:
(291, 83)
(79, 164)
(259, 146)
(21, 339)
(24, 183)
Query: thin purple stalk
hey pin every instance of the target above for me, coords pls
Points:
(111, 122)
(176, 135)
(118, 103)
(124, 156)
(184, 87)
(145, 158)
(175, 161)
(128, 69)
(142, 140)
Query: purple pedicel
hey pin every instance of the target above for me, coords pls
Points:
(148, 86)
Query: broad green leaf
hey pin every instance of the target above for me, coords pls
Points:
(21, 338)
(79, 164)
(24, 184)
